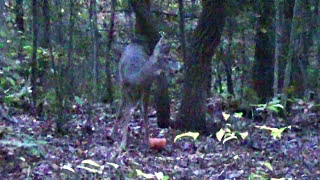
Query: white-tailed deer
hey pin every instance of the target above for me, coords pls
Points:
(137, 71)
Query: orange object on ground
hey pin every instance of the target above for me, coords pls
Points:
(157, 143)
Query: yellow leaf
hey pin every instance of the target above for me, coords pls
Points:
(159, 175)
(88, 169)
(116, 166)
(225, 116)
(275, 132)
(90, 162)
(194, 135)
(268, 165)
(244, 135)
(147, 176)
(66, 167)
(220, 134)
(231, 136)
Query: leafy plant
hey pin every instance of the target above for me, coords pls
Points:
(227, 134)
(28, 142)
(275, 132)
(272, 106)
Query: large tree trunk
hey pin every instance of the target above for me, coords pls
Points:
(302, 64)
(182, 31)
(94, 57)
(292, 49)
(206, 38)
(3, 27)
(317, 33)
(264, 53)
(227, 56)
(34, 64)
(108, 58)
(69, 79)
(60, 107)
(145, 27)
(278, 45)
(20, 26)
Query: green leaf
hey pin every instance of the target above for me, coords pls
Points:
(28, 49)
(279, 106)
(194, 135)
(273, 108)
(238, 115)
(39, 51)
(78, 100)
(12, 82)
(254, 176)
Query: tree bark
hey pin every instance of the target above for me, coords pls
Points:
(69, 68)
(228, 56)
(34, 64)
(292, 49)
(60, 107)
(318, 31)
(262, 73)
(182, 31)
(94, 33)
(3, 26)
(19, 26)
(206, 38)
(108, 58)
(278, 44)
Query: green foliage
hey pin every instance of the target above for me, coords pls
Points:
(13, 86)
(272, 106)
(16, 97)
(78, 100)
(24, 141)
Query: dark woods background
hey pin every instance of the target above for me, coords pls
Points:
(58, 53)
(59, 76)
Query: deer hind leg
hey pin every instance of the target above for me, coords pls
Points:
(128, 112)
(145, 115)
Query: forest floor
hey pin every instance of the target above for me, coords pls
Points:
(30, 149)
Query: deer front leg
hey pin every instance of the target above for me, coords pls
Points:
(128, 112)
(116, 122)
(145, 115)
